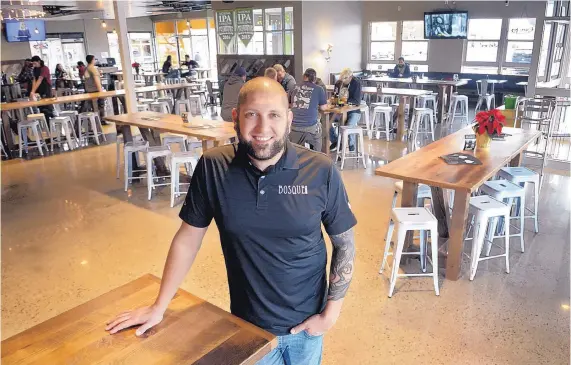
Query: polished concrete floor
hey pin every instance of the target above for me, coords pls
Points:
(70, 233)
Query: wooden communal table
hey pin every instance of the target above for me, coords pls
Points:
(327, 126)
(193, 331)
(425, 166)
(445, 88)
(221, 131)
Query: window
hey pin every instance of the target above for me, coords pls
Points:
(273, 34)
(383, 36)
(483, 40)
(64, 48)
(541, 69)
(140, 46)
(166, 41)
(520, 40)
(414, 46)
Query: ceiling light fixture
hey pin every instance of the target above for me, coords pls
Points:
(103, 24)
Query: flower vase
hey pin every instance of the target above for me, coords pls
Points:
(483, 140)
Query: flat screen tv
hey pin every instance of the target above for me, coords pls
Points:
(446, 25)
(25, 30)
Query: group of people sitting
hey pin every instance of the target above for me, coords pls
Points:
(307, 100)
(173, 73)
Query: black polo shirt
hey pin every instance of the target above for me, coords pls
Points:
(270, 229)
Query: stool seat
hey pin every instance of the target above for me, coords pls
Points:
(411, 219)
(520, 173)
(152, 153)
(482, 208)
(35, 128)
(129, 149)
(56, 126)
(343, 145)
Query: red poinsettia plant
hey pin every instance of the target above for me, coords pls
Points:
(135, 65)
(491, 121)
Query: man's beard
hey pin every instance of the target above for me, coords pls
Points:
(261, 154)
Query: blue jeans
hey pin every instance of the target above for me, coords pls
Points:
(352, 120)
(298, 349)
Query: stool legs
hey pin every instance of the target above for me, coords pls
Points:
(175, 175)
(434, 248)
(401, 233)
(38, 140)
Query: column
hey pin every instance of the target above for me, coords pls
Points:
(128, 81)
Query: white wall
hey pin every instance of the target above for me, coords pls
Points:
(14, 51)
(445, 55)
(338, 23)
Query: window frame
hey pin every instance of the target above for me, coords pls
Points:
(395, 41)
(497, 63)
(423, 40)
(505, 63)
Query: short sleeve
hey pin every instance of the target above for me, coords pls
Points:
(197, 210)
(337, 217)
(322, 98)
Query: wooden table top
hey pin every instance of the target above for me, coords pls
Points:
(425, 166)
(85, 96)
(171, 123)
(340, 110)
(193, 331)
(408, 80)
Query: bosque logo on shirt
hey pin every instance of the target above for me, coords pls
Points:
(292, 189)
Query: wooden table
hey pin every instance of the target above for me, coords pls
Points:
(193, 331)
(425, 166)
(327, 126)
(170, 123)
(445, 88)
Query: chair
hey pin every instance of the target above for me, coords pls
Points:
(142, 107)
(160, 107)
(423, 101)
(506, 191)
(483, 208)
(365, 117)
(118, 141)
(91, 122)
(182, 103)
(482, 87)
(411, 219)
(537, 113)
(34, 127)
(152, 153)
(195, 100)
(212, 95)
(168, 99)
(359, 152)
(189, 160)
(40, 117)
(523, 176)
(59, 124)
(129, 149)
(170, 139)
(381, 114)
(455, 102)
(419, 117)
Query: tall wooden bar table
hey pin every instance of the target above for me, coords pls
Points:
(193, 331)
(425, 166)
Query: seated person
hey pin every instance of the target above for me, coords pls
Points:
(287, 80)
(402, 69)
(349, 87)
(271, 73)
(306, 100)
(191, 64)
(231, 90)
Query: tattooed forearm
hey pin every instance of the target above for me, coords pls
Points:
(341, 271)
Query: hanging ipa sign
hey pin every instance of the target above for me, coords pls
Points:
(245, 25)
(225, 25)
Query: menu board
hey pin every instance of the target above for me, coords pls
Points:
(225, 25)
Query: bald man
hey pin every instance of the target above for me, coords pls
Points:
(269, 198)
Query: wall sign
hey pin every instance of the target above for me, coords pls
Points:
(225, 25)
(245, 25)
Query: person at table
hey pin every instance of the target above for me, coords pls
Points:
(231, 91)
(61, 76)
(271, 73)
(287, 80)
(269, 199)
(92, 81)
(307, 100)
(402, 69)
(81, 70)
(167, 65)
(42, 86)
(347, 87)
(26, 76)
(190, 64)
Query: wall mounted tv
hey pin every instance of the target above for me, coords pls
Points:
(446, 25)
(25, 30)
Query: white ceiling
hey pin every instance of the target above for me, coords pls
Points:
(104, 8)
